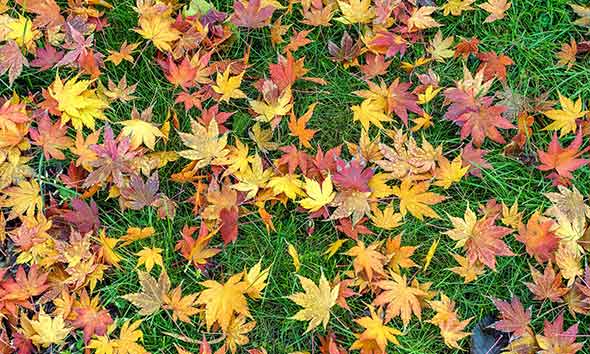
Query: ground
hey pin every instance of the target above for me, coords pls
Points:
(531, 34)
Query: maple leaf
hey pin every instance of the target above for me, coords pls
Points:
(583, 12)
(352, 175)
(223, 300)
(140, 131)
(477, 118)
(124, 53)
(355, 11)
(182, 75)
(456, 7)
(402, 300)
(76, 102)
(23, 199)
(513, 317)
(348, 51)
(563, 160)
(494, 65)
(121, 91)
(316, 301)
(556, 340)
(317, 196)
(511, 216)
(439, 47)
(150, 256)
(468, 270)
(400, 100)
(195, 250)
(351, 202)
(567, 54)
(47, 11)
(297, 40)
(376, 335)
(538, 237)
(251, 14)
(399, 256)
(449, 172)
(182, 307)
(292, 251)
(128, 337)
(151, 297)
(229, 87)
(421, 18)
(367, 260)
(386, 219)
(451, 329)
(482, 238)
(12, 61)
(546, 286)
(375, 65)
(90, 317)
(273, 105)
(316, 13)
(51, 137)
(353, 230)
(297, 127)
(262, 138)
(84, 216)
(565, 119)
(369, 112)
(466, 47)
(496, 9)
(205, 144)
(139, 194)
(156, 25)
(256, 279)
(25, 285)
(48, 330)
(416, 199)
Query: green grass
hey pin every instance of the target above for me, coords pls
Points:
(531, 33)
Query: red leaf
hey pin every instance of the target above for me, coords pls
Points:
(352, 175)
(51, 137)
(546, 286)
(229, 224)
(250, 14)
(556, 340)
(182, 75)
(12, 60)
(400, 100)
(494, 65)
(538, 238)
(90, 317)
(563, 160)
(466, 47)
(83, 216)
(353, 231)
(47, 57)
(513, 317)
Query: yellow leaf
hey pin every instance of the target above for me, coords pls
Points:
(256, 279)
(262, 138)
(316, 301)
(511, 216)
(253, 178)
(77, 103)
(449, 172)
(157, 26)
(48, 330)
(428, 95)
(267, 111)
(378, 185)
(467, 270)
(564, 119)
(128, 337)
(439, 49)
(317, 196)
(294, 256)
(430, 254)
(376, 334)
(151, 297)
(182, 307)
(421, 18)
(23, 199)
(334, 247)
(288, 184)
(387, 219)
(150, 257)
(369, 112)
(222, 301)
(205, 144)
(416, 199)
(107, 249)
(141, 132)
(356, 11)
(229, 87)
(456, 7)
(136, 234)
(496, 9)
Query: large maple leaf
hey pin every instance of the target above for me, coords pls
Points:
(113, 160)
(221, 301)
(352, 175)
(90, 317)
(547, 286)
(316, 302)
(513, 317)
(251, 14)
(482, 238)
(563, 160)
(476, 116)
(151, 297)
(538, 237)
(401, 299)
(416, 199)
(205, 144)
(51, 137)
(556, 340)
(12, 61)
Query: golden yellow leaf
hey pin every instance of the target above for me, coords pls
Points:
(256, 279)
(229, 87)
(370, 112)
(439, 49)
(140, 132)
(356, 11)
(496, 9)
(430, 254)
(294, 256)
(157, 26)
(564, 119)
(205, 144)
(421, 18)
(267, 111)
(334, 247)
(222, 301)
(376, 335)
(416, 199)
(449, 172)
(135, 234)
(23, 199)
(289, 184)
(150, 256)
(317, 197)
(386, 219)
(316, 301)
(48, 330)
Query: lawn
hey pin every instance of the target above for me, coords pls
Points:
(530, 35)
